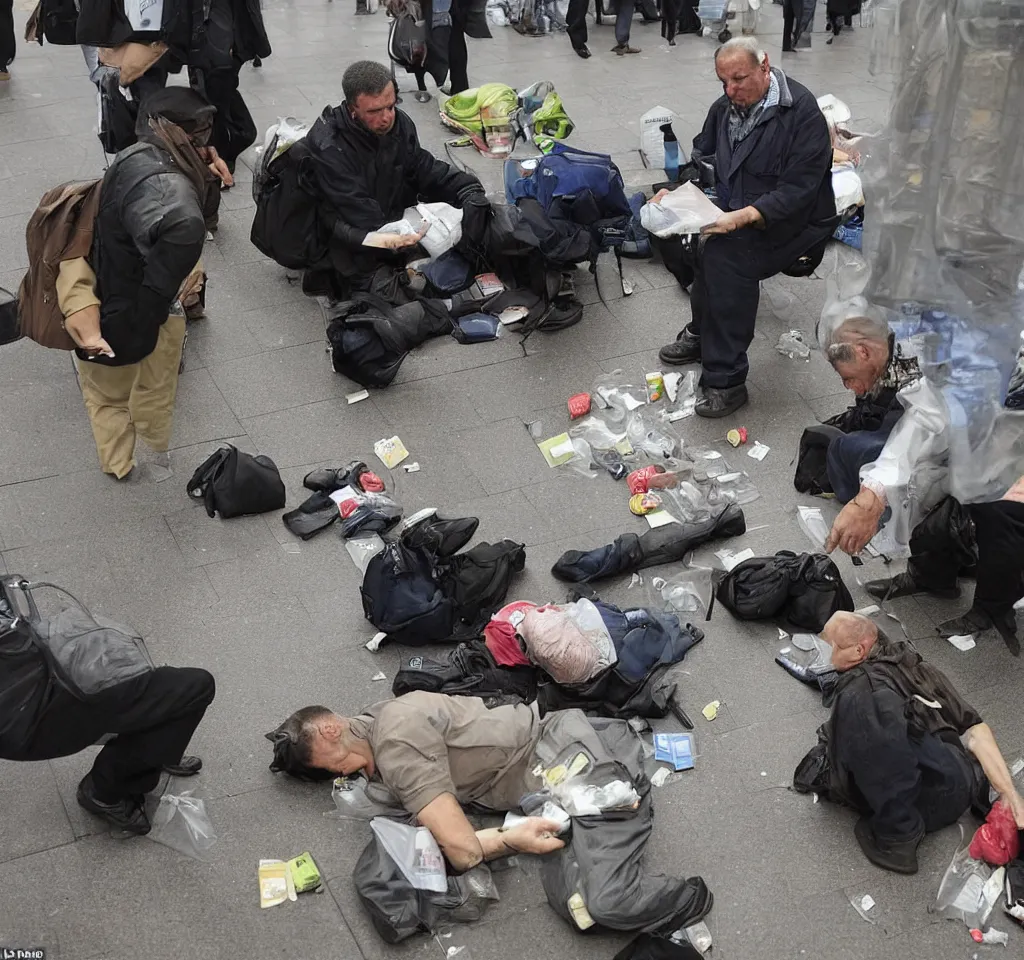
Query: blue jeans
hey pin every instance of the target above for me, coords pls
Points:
(847, 454)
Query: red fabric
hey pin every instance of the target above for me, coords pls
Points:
(347, 508)
(371, 483)
(996, 840)
(638, 480)
(500, 637)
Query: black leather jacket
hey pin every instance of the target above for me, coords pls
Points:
(149, 235)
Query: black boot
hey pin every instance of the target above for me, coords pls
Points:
(685, 349)
(721, 403)
(899, 856)
(975, 621)
(128, 814)
(185, 767)
(904, 585)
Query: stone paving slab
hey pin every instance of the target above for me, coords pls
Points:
(279, 622)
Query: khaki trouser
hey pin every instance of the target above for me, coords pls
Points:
(133, 401)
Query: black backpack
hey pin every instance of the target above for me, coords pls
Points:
(470, 671)
(812, 461)
(234, 484)
(806, 589)
(286, 227)
(117, 115)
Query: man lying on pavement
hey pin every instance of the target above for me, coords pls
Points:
(436, 753)
(369, 168)
(902, 746)
(869, 469)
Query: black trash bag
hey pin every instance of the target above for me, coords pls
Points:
(806, 589)
(24, 674)
(812, 460)
(234, 484)
(649, 947)
(314, 515)
(603, 859)
(662, 545)
(398, 910)
(478, 580)
(813, 773)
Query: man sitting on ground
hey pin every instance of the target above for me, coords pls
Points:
(983, 539)
(902, 746)
(369, 168)
(772, 156)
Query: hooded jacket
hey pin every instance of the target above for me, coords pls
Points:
(783, 166)
(367, 180)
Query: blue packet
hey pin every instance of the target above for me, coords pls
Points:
(476, 328)
(674, 748)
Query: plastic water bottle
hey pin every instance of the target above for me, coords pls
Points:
(671, 152)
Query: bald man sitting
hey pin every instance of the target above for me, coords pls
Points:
(902, 746)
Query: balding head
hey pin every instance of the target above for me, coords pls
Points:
(851, 636)
(743, 68)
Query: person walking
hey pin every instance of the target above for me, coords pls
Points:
(576, 24)
(8, 45)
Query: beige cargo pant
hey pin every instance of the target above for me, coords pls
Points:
(135, 401)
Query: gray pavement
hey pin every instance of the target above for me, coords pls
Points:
(280, 623)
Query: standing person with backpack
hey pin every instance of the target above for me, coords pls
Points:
(124, 299)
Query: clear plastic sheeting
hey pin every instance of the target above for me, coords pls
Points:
(180, 821)
(969, 889)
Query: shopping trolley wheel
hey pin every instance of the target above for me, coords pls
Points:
(725, 35)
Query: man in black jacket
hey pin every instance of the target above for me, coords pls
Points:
(902, 746)
(147, 240)
(772, 156)
(369, 168)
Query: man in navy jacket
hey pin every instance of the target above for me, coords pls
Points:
(772, 155)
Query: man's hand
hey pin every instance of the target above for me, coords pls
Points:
(533, 835)
(1016, 804)
(660, 195)
(84, 328)
(217, 166)
(733, 220)
(1016, 492)
(395, 241)
(856, 524)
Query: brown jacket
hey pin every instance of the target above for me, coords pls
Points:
(60, 229)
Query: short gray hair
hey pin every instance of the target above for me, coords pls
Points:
(365, 76)
(839, 341)
(747, 45)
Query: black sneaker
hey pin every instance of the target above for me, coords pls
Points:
(186, 767)
(721, 403)
(899, 856)
(128, 814)
(904, 585)
(685, 349)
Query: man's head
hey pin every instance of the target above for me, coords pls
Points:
(314, 743)
(858, 349)
(181, 106)
(743, 68)
(851, 638)
(370, 95)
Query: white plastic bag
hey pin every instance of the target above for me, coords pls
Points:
(652, 140)
(969, 889)
(444, 226)
(682, 212)
(179, 821)
(363, 549)
(353, 802)
(848, 189)
(415, 852)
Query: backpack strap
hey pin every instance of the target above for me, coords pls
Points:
(200, 486)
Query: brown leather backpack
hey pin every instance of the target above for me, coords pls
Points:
(60, 229)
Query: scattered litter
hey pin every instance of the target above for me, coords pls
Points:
(636, 580)
(390, 451)
(379, 676)
(687, 409)
(363, 549)
(640, 504)
(783, 636)
(962, 642)
(815, 797)
(1016, 766)
(659, 777)
(791, 344)
(345, 493)
(672, 385)
(813, 525)
(579, 405)
(711, 710)
(373, 645)
(865, 905)
(674, 748)
(990, 936)
(758, 451)
(513, 314)
(868, 611)
(736, 436)
(699, 936)
(305, 875)
(276, 884)
(413, 467)
(730, 559)
(764, 773)
(557, 450)
(290, 547)
(357, 396)
(1017, 912)
(655, 386)
(659, 518)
